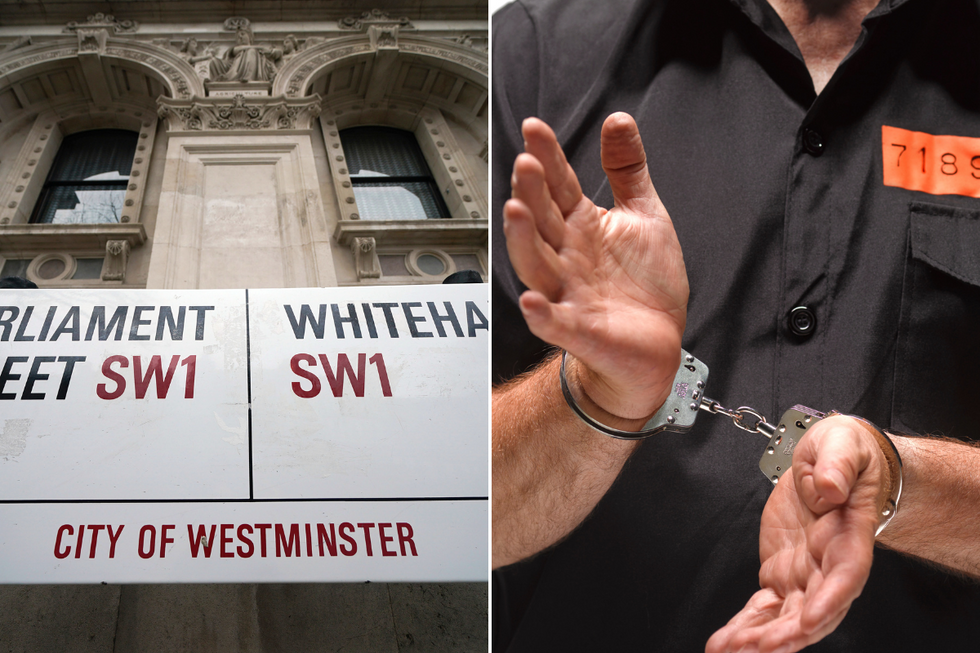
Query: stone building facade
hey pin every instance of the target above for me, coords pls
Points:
(289, 145)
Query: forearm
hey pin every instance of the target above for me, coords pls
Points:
(937, 518)
(549, 468)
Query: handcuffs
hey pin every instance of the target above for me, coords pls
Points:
(687, 400)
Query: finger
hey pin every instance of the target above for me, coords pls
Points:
(540, 141)
(625, 164)
(848, 568)
(763, 607)
(554, 323)
(836, 457)
(534, 261)
(529, 185)
(786, 636)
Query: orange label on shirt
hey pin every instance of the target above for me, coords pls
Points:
(939, 165)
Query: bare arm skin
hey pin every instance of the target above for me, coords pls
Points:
(610, 287)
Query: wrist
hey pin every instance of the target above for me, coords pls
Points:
(891, 475)
(590, 394)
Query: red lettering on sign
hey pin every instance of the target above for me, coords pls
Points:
(336, 380)
(164, 540)
(352, 549)
(330, 540)
(201, 540)
(95, 528)
(58, 553)
(384, 539)
(107, 371)
(287, 546)
(225, 539)
(113, 538)
(405, 535)
(144, 552)
(241, 536)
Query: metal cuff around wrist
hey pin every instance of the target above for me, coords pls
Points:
(894, 461)
(677, 414)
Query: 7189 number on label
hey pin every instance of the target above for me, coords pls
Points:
(938, 165)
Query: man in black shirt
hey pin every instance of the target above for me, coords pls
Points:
(820, 168)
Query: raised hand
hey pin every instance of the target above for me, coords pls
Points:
(816, 542)
(609, 287)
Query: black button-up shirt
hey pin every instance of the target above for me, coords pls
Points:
(780, 201)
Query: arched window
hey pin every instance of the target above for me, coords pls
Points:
(88, 179)
(389, 175)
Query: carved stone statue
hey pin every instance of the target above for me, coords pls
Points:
(247, 62)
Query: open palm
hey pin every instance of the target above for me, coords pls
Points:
(609, 287)
(816, 543)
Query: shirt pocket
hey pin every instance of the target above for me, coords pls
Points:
(937, 371)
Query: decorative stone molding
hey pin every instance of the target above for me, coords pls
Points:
(373, 17)
(365, 258)
(456, 56)
(21, 42)
(238, 113)
(107, 21)
(300, 70)
(92, 40)
(236, 23)
(383, 37)
(116, 257)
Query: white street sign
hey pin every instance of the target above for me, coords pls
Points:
(235, 436)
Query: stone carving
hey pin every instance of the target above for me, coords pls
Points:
(236, 23)
(373, 17)
(116, 257)
(239, 113)
(36, 58)
(207, 64)
(477, 43)
(458, 57)
(245, 61)
(92, 40)
(21, 42)
(366, 261)
(383, 37)
(107, 21)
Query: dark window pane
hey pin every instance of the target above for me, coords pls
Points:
(15, 268)
(430, 264)
(87, 182)
(88, 268)
(97, 152)
(53, 267)
(410, 200)
(81, 204)
(382, 151)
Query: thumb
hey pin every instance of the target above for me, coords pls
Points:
(625, 164)
(839, 457)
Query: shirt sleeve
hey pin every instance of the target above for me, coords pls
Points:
(515, 88)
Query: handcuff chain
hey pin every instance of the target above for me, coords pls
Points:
(738, 415)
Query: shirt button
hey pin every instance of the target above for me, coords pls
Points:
(812, 142)
(802, 321)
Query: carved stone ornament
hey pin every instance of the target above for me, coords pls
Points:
(366, 261)
(383, 37)
(107, 21)
(92, 40)
(236, 23)
(116, 257)
(373, 17)
(239, 113)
